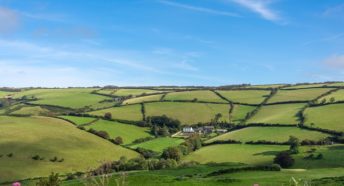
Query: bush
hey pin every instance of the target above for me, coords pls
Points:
(52, 180)
(53, 159)
(10, 155)
(146, 153)
(108, 116)
(171, 153)
(284, 159)
(118, 140)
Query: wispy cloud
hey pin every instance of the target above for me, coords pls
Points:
(199, 9)
(9, 20)
(335, 11)
(330, 38)
(260, 7)
(335, 61)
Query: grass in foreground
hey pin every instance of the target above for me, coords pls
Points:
(199, 95)
(245, 96)
(277, 114)
(26, 137)
(128, 132)
(188, 113)
(297, 95)
(326, 117)
(130, 112)
(278, 134)
(159, 144)
(236, 153)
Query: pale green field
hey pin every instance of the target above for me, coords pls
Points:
(31, 110)
(78, 120)
(128, 132)
(200, 95)
(127, 92)
(298, 95)
(337, 95)
(48, 137)
(236, 153)
(72, 98)
(278, 134)
(277, 114)
(239, 112)
(159, 144)
(245, 96)
(5, 93)
(142, 99)
(267, 86)
(188, 113)
(309, 86)
(327, 117)
(130, 112)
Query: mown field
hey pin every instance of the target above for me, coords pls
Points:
(326, 117)
(25, 137)
(130, 112)
(277, 114)
(298, 95)
(142, 99)
(199, 95)
(277, 134)
(159, 144)
(245, 96)
(127, 132)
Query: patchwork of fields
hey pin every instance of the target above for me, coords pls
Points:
(79, 126)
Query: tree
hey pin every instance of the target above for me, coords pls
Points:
(294, 144)
(323, 101)
(332, 100)
(108, 115)
(163, 131)
(284, 159)
(171, 153)
(52, 180)
(118, 140)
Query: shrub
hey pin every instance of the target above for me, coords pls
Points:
(53, 159)
(36, 157)
(118, 140)
(171, 153)
(108, 116)
(52, 180)
(320, 156)
(284, 159)
(146, 153)
(10, 155)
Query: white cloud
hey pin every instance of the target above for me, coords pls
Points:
(335, 61)
(260, 7)
(9, 20)
(199, 9)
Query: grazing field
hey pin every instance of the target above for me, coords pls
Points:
(30, 110)
(127, 132)
(5, 93)
(78, 120)
(239, 112)
(127, 92)
(71, 97)
(188, 113)
(159, 144)
(277, 114)
(142, 99)
(245, 96)
(309, 86)
(130, 112)
(337, 95)
(267, 86)
(25, 137)
(236, 153)
(297, 95)
(326, 117)
(199, 95)
(277, 134)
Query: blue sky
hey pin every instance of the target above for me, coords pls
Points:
(170, 42)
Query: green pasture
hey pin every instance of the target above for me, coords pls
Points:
(277, 114)
(127, 92)
(159, 144)
(316, 85)
(127, 132)
(239, 112)
(25, 137)
(78, 120)
(337, 95)
(142, 99)
(327, 117)
(199, 95)
(298, 95)
(31, 110)
(245, 96)
(130, 112)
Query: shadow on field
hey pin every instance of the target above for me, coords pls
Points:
(267, 153)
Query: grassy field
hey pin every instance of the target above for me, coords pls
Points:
(278, 134)
(277, 114)
(78, 120)
(142, 99)
(159, 144)
(200, 95)
(236, 153)
(327, 117)
(188, 113)
(338, 96)
(25, 137)
(127, 92)
(5, 93)
(297, 95)
(128, 132)
(239, 112)
(30, 110)
(72, 98)
(245, 96)
(309, 86)
(267, 86)
(130, 112)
